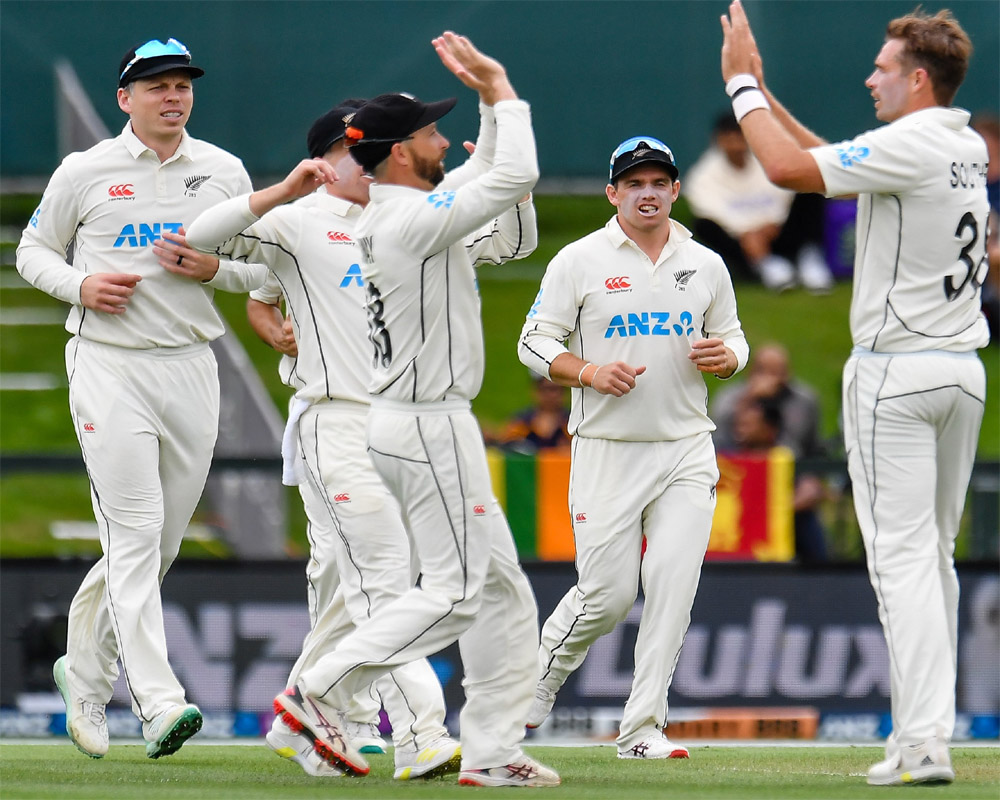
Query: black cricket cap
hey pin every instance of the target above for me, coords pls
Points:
(387, 119)
(154, 57)
(331, 127)
(641, 150)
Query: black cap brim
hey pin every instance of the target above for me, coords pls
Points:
(433, 112)
(149, 67)
(624, 164)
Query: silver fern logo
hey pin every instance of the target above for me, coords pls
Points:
(193, 183)
(683, 277)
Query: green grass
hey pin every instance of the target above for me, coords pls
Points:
(712, 773)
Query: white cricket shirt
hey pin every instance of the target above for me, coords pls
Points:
(921, 231)
(419, 249)
(604, 295)
(310, 249)
(112, 202)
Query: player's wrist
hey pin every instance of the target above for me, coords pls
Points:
(579, 378)
(745, 93)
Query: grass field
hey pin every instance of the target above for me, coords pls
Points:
(591, 773)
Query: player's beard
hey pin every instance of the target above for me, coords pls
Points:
(428, 170)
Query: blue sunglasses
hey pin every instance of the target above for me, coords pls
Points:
(154, 48)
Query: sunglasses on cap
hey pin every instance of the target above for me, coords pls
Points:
(154, 48)
(641, 148)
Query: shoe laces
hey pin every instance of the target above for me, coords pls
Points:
(95, 712)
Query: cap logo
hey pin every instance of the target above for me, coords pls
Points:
(640, 153)
(347, 118)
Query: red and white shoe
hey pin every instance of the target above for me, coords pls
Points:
(656, 747)
(325, 725)
(523, 772)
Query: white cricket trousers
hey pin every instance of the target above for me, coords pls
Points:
(619, 493)
(147, 421)
(472, 589)
(911, 425)
(360, 543)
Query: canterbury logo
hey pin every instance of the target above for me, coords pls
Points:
(479, 510)
(121, 190)
(682, 276)
(618, 283)
(342, 498)
(195, 182)
(337, 236)
(88, 427)
(581, 517)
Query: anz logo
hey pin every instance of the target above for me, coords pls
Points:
(352, 276)
(441, 199)
(536, 304)
(650, 323)
(849, 156)
(144, 234)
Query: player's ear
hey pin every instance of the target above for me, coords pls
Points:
(612, 192)
(400, 153)
(125, 101)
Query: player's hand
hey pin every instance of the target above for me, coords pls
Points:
(711, 355)
(108, 292)
(476, 70)
(283, 339)
(739, 49)
(617, 378)
(175, 256)
(308, 175)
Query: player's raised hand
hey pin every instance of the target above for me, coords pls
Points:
(305, 178)
(617, 378)
(108, 292)
(739, 49)
(476, 70)
(174, 255)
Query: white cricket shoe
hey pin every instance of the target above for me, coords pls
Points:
(541, 707)
(776, 273)
(655, 747)
(86, 723)
(813, 270)
(298, 748)
(523, 772)
(325, 725)
(168, 731)
(365, 736)
(441, 757)
(928, 762)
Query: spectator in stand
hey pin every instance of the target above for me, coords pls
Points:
(757, 228)
(542, 426)
(988, 126)
(770, 400)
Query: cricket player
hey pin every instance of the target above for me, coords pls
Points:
(358, 542)
(420, 236)
(143, 383)
(914, 387)
(643, 310)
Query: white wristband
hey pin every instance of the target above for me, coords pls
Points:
(742, 81)
(579, 378)
(746, 100)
